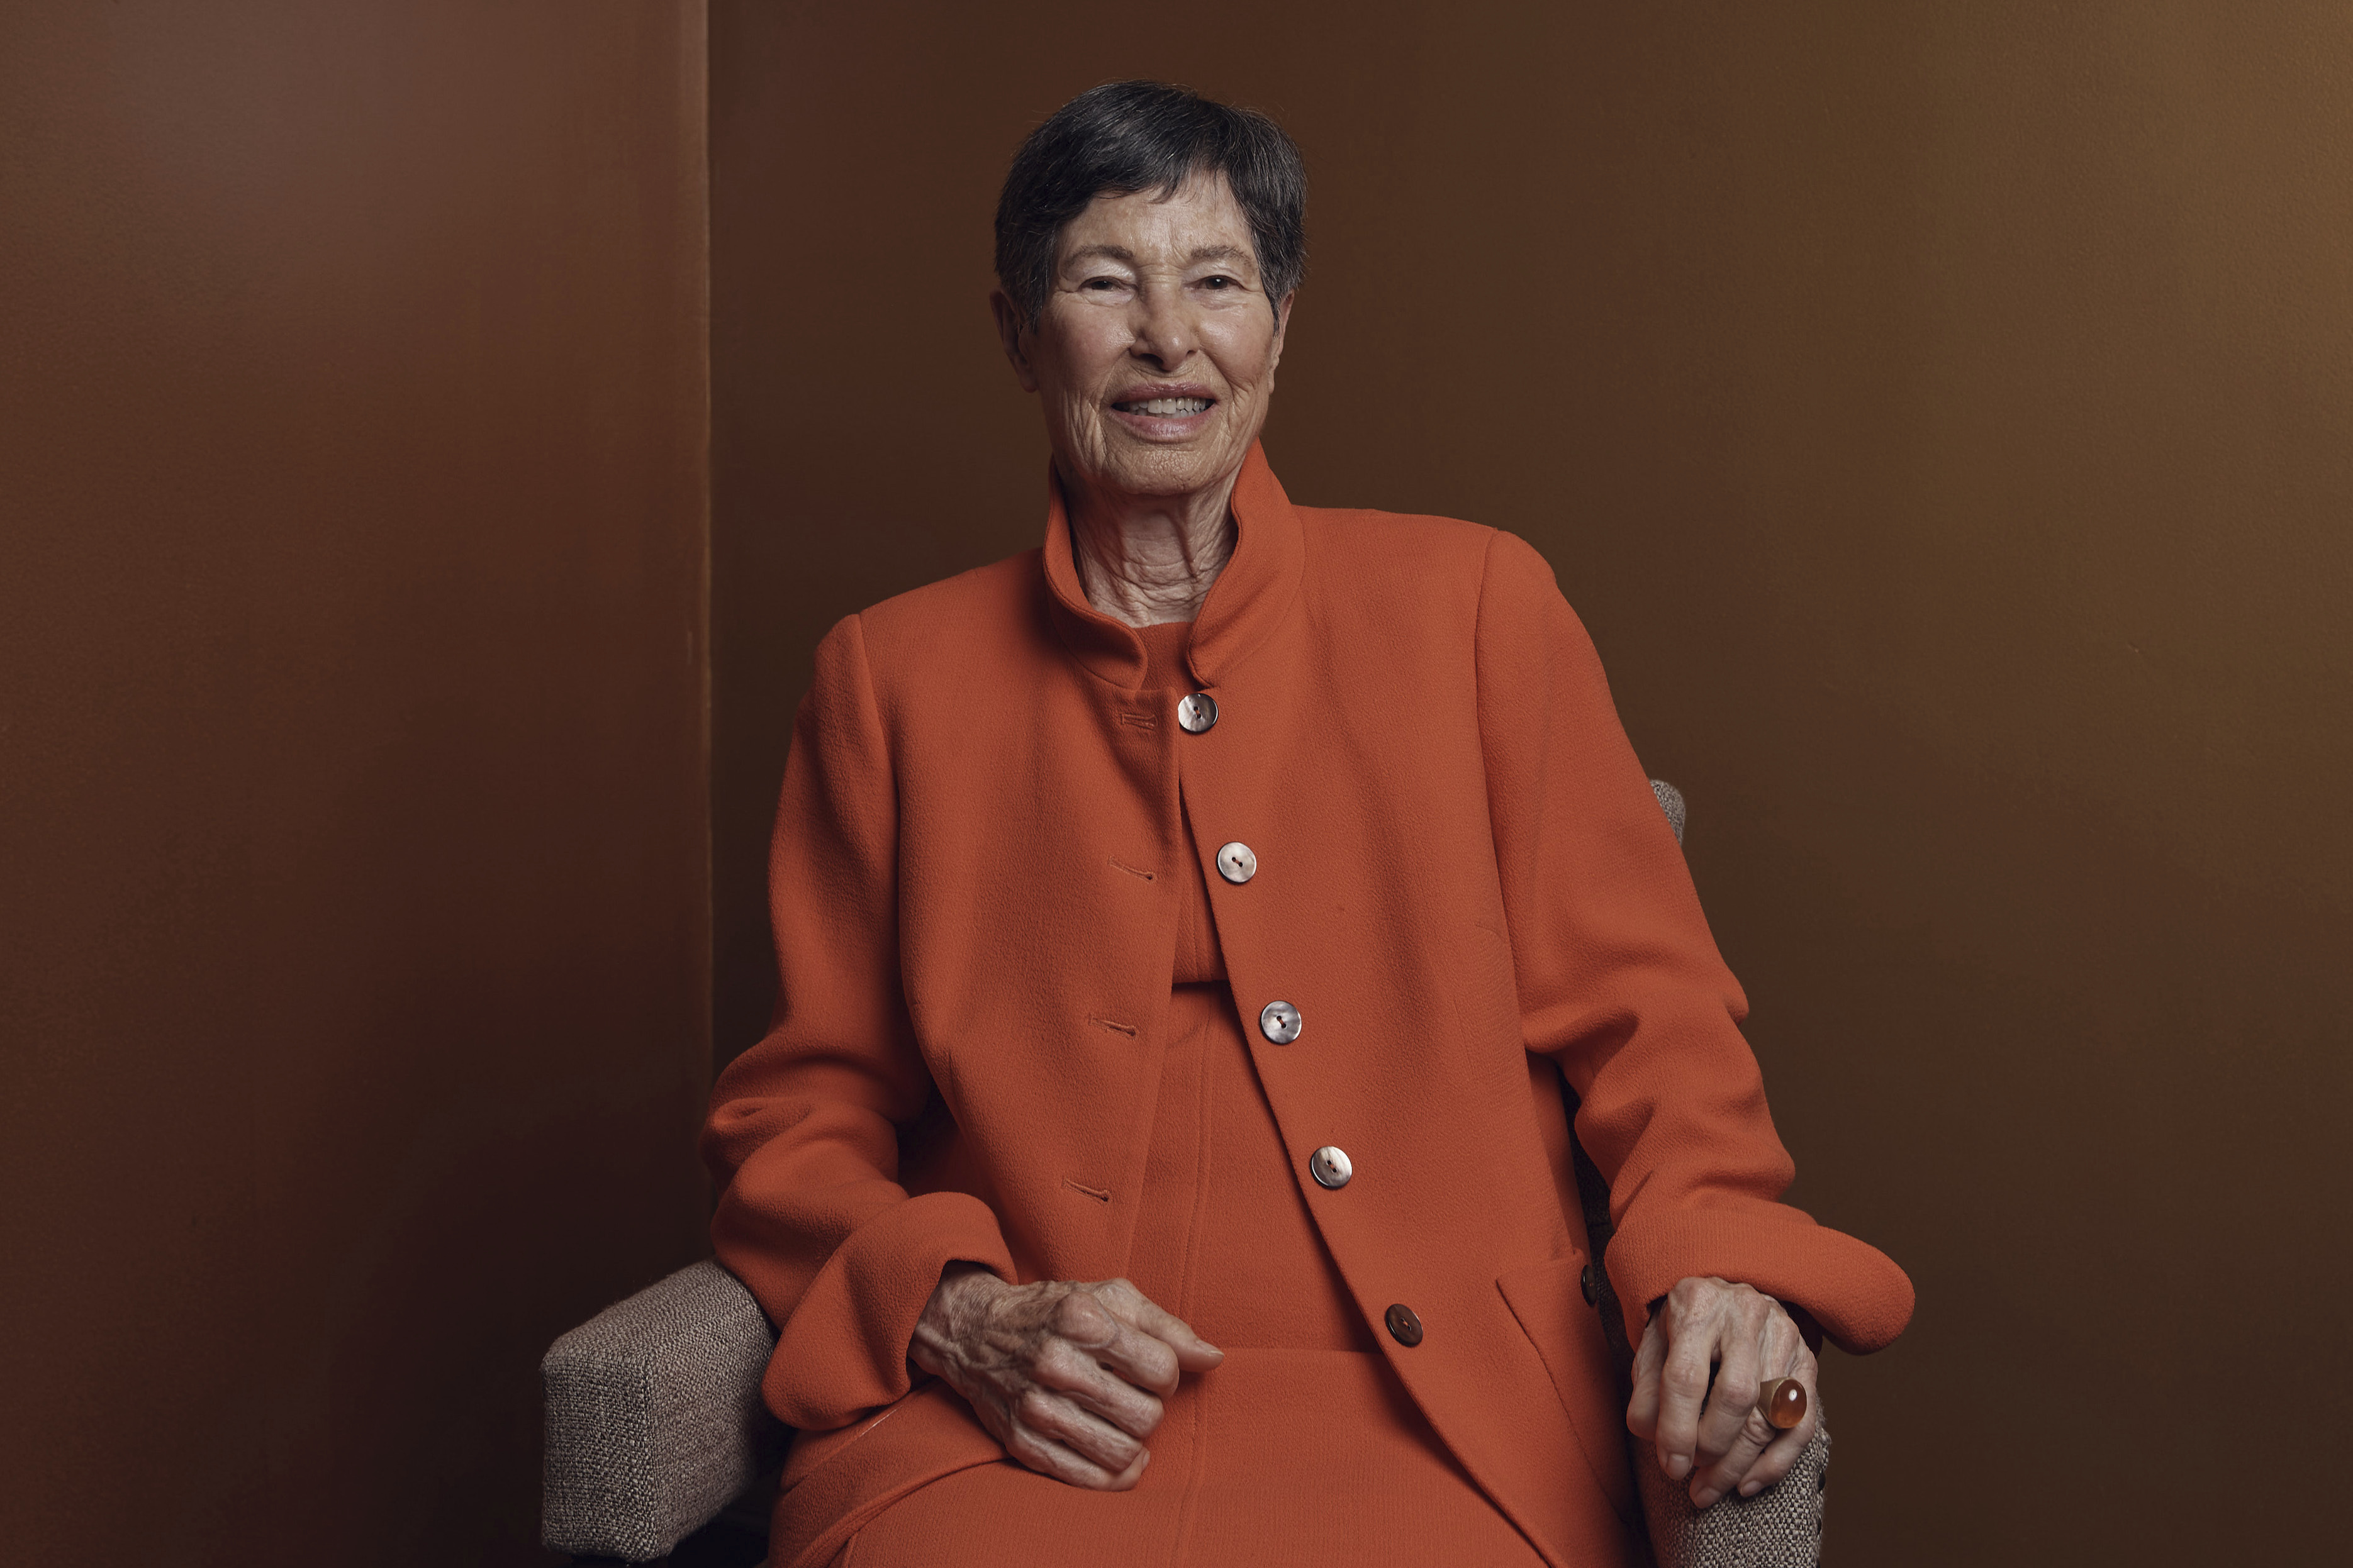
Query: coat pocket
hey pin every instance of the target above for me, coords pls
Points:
(1549, 1302)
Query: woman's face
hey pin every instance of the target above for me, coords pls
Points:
(1155, 355)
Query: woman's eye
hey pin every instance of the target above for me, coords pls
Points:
(1217, 281)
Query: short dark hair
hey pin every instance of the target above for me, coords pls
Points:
(1129, 136)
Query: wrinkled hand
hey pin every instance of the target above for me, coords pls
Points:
(1069, 1377)
(1717, 1439)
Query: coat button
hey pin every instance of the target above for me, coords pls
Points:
(1197, 712)
(1236, 863)
(1278, 1022)
(1329, 1165)
(1404, 1327)
(1591, 1279)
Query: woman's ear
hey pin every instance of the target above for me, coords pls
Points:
(1011, 330)
(1281, 325)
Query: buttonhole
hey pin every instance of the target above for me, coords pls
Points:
(1098, 1193)
(1114, 1026)
(1140, 720)
(1132, 871)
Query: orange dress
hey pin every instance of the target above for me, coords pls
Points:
(1224, 1241)
(999, 1040)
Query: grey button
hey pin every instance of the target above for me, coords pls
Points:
(1330, 1167)
(1197, 712)
(1236, 863)
(1278, 1022)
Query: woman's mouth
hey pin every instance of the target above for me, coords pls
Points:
(1165, 407)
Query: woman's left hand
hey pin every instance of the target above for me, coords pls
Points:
(1716, 1435)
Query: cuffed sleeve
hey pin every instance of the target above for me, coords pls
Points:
(804, 1128)
(1620, 981)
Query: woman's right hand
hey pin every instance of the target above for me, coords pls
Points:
(1067, 1377)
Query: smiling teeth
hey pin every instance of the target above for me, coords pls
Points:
(1165, 405)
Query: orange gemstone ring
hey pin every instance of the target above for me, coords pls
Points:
(1782, 1402)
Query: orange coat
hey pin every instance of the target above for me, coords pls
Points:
(1460, 863)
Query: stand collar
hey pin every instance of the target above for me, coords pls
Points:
(1246, 603)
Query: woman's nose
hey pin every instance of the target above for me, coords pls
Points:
(1164, 333)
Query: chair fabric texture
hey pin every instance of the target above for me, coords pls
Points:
(655, 1423)
(654, 1418)
(1671, 801)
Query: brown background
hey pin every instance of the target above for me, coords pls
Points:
(1939, 412)
(353, 901)
(1942, 414)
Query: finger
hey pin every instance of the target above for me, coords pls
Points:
(1719, 1472)
(1147, 1316)
(1147, 1345)
(1075, 1374)
(1053, 1417)
(1784, 1365)
(1773, 1463)
(1740, 1354)
(1049, 1457)
(1683, 1387)
(1650, 1356)
(1087, 1324)
(1770, 1466)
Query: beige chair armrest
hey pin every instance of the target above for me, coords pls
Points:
(654, 1419)
(1780, 1527)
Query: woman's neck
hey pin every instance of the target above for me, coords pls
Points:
(1145, 560)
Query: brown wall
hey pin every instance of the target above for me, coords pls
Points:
(1942, 414)
(352, 792)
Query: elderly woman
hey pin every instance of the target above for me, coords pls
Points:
(1185, 929)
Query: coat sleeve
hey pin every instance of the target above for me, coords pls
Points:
(803, 1135)
(1620, 983)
